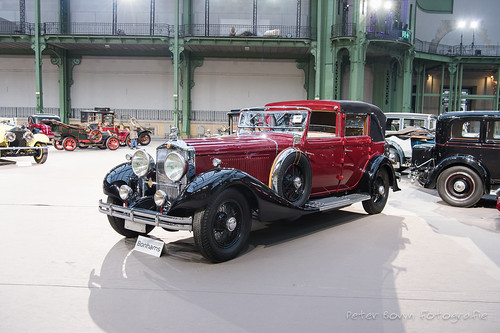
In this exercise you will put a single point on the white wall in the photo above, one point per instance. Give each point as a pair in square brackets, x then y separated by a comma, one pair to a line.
[123, 83]
[223, 84]
[18, 82]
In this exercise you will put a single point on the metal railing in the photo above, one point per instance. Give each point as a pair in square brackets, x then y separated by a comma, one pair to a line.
[242, 30]
[457, 50]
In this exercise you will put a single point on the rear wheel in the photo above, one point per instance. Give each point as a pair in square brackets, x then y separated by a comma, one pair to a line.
[379, 193]
[69, 143]
[460, 186]
[222, 228]
[119, 224]
[58, 144]
[42, 153]
[144, 139]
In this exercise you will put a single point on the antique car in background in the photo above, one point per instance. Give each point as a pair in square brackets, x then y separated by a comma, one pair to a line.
[287, 159]
[36, 124]
[17, 140]
[106, 120]
[69, 137]
[464, 163]
[403, 131]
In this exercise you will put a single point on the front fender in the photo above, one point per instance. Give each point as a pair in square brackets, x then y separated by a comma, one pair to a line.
[205, 186]
[119, 175]
[40, 137]
[376, 163]
[465, 160]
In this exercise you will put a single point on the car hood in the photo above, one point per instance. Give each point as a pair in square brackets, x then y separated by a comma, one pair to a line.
[237, 144]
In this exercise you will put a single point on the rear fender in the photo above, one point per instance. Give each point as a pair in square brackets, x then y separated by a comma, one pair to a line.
[465, 160]
[375, 164]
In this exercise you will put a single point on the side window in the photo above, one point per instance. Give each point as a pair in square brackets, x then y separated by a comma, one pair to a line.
[414, 123]
[356, 125]
[392, 124]
[493, 131]
[465, 129]
[322, 124]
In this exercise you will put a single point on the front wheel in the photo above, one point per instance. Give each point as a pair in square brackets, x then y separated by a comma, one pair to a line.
[42, 153]
[119, 224]
[379, 193]
[222, 228]
[112, 143]
[460, 186]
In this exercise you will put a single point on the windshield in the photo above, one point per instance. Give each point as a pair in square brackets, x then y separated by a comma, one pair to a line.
[279, 120]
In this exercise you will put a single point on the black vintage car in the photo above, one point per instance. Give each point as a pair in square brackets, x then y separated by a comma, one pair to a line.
[464, 163]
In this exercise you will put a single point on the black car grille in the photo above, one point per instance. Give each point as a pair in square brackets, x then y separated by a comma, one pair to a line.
[19, 141]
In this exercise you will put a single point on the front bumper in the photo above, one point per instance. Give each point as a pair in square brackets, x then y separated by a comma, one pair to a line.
[145, 216]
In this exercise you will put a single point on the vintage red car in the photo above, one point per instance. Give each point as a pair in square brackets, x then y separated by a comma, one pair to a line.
[105, 120]
[37, 124]
[287, 159]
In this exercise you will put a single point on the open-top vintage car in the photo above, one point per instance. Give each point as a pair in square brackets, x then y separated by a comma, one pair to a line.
[17, 140]
[464, 163]
[69, 137]
[106, 120]
[287, 159]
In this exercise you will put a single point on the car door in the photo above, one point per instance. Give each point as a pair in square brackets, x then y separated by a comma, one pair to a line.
[491, 149]
[325, 151]
[357, 146]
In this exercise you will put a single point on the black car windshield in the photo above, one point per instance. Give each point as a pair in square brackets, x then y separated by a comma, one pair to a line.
[280, 120]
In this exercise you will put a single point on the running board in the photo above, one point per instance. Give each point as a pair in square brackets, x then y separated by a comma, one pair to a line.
[336, 202]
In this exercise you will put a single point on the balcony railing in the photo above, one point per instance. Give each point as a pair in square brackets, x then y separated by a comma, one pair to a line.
[457, 50]
[343, 30]
[239, 30]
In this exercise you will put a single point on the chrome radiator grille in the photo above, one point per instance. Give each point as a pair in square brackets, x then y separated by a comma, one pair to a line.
[172, 189]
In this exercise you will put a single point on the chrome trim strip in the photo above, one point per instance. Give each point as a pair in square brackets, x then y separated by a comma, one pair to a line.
[145, 216]
[21, 148]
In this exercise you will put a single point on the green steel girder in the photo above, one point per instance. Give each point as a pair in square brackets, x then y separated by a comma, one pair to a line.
[262, 42]
[130, 40]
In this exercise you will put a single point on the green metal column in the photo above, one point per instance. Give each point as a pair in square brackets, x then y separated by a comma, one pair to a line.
[323, 53]
[176, 54]
[452, 68]
[38, 46]
[188, 66]
[497, 94]
[407, 80]
[66, 65]
[440, 106]
[358, 53]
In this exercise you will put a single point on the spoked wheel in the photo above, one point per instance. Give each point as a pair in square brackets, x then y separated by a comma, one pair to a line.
[295, 179]
[460, 186]
[69, 143]
[112, 143]
[119, 224]
[144, 139]
[42, 153]
[58, 144]
[222, 228]
[379, 193]
[95, 136]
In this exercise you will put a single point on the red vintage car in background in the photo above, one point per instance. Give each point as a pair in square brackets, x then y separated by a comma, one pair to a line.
[286, 160]
[36, 124]
[106, 120]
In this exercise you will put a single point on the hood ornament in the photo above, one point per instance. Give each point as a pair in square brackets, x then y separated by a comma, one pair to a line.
[173, 134]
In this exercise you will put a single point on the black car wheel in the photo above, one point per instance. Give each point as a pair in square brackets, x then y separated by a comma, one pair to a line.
[460, 186]
[119, 224]
[295, 179]
[42, 153]
[379, 193]
[222, 228]
[69, 143]
[144, 139]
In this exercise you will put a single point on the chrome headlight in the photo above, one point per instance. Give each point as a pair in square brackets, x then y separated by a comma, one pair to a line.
[28, 136]
[142, 163]
[160, 198]
[175, 166]
[10, 136]
[125, 192]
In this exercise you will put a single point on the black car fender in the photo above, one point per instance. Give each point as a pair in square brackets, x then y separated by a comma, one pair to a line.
[375, 164]
[122, 174]
[207, 185]
[464, 160]
[398, 148]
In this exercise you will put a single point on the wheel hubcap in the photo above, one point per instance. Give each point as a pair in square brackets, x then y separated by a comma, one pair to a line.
[381, 190]
[459, 186]
[231, 223]
[297, 182]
